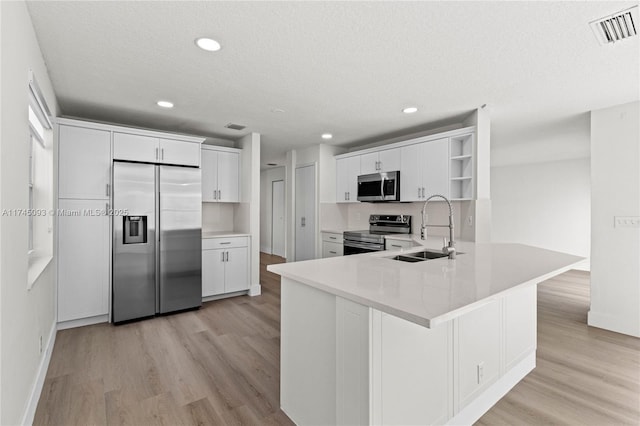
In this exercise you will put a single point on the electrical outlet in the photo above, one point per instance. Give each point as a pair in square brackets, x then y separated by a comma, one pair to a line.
[626, 222]
[470, 220]
[480, 372]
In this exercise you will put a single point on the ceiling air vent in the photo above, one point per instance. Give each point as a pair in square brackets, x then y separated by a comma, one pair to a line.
[235, 126]
[616, 27]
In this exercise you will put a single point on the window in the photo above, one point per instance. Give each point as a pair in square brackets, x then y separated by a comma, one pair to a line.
[39, 213]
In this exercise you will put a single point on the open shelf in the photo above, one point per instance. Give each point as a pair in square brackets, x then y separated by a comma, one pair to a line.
[461, 182]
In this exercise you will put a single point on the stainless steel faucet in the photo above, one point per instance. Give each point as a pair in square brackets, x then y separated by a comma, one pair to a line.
[450, 248]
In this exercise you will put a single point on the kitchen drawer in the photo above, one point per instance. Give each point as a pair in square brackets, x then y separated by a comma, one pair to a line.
[224, 242]
[332, 237]
[331, 249]
[395, 244]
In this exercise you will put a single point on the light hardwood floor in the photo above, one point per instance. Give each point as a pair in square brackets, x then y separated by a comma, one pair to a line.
[584, 375]
[220, 365]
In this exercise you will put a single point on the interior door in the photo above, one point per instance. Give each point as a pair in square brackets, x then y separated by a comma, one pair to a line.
[277, 218]
[305, 190]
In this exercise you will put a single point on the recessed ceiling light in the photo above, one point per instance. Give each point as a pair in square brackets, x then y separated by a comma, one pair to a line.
[327, 136]
[208, 44]
[165, 104]
[410, 110]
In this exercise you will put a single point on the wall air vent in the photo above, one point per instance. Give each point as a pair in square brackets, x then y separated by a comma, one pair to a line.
[235, 126]
[616, 27]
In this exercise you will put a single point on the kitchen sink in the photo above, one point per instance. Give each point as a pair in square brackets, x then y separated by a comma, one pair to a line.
[419, 256]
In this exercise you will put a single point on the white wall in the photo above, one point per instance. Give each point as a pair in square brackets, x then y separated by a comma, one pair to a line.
[615, 191]
[247, 212]
[545, 205]
[267, 177]
[25, 316]
[540, 188]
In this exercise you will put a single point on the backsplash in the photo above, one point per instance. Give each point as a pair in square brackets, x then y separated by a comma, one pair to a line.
[356, 215]
[217, 217]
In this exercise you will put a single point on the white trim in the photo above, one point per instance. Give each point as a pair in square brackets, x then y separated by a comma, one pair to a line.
[36, 390]
[615, 323]
[37, 265]
[479, 406]
[128, 130]
[435, 136]
[44, 113]
[255, 290]
[224, 296]
[221, 148]
[63, 325]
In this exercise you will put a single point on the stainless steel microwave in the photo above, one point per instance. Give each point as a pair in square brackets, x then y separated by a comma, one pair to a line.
[379, 187]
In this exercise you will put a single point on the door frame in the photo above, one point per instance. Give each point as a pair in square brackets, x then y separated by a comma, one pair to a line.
[284, 211]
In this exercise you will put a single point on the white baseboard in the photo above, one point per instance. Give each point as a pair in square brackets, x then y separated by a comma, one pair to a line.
[614, 323]
[82, 322]
[224, 296]
[36, 390]
[476, 408]
[255, 290]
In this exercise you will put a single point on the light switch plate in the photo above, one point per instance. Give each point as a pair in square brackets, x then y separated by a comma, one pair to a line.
[626, 222]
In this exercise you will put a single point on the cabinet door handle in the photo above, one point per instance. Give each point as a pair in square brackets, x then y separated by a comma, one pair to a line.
[222, 254]
[106, 207]
[225, 242]
[332, 252]
[348, 196]
[219, 195]
[333, 238]
[396, 245]
[419, 193]
[422, 192]
[215, 194]
[156, 153]
[108, 190]
[162, 154]
[227, 256]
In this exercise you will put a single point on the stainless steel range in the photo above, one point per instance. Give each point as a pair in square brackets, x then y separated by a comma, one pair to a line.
[370, 240]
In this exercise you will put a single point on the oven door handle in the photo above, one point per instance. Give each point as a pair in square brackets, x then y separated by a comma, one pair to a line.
[372, 247]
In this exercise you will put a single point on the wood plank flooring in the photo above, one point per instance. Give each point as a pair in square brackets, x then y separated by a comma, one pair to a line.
[584, 375]
[214, 366]
[220, 365]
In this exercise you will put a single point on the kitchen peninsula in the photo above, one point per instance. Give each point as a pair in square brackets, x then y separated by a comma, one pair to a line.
[367, 339]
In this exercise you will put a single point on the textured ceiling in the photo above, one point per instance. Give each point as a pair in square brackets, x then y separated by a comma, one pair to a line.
[347, 68]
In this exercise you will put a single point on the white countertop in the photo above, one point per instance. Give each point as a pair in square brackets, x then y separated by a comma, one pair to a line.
[433, 291]
[223, 234]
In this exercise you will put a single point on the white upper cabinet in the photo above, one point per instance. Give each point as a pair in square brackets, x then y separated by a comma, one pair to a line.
[135, 148]
[220, 175]
[424, 170]
[347, 171]
[84, 163]
[209, 174]
[179, 152]
[150, 149]
[228, 177]
[387, 160]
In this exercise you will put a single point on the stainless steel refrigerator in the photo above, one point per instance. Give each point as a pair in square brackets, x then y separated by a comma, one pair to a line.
[157, 241]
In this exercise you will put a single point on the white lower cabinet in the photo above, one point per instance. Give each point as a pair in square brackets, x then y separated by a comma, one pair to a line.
[225, 265]
[479, 335]
[412, 367]
[83, 260]
[348, 364]
[391, 243]
[332, 244]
